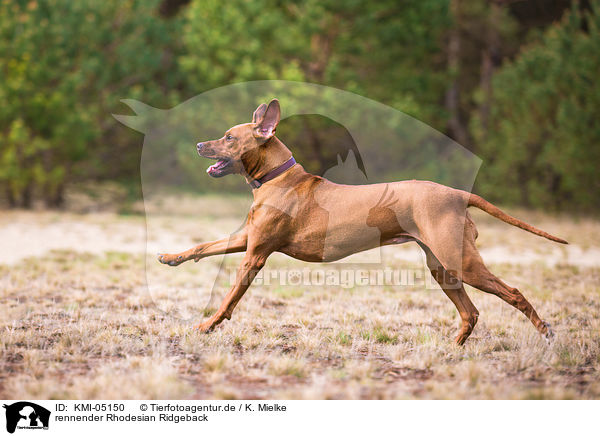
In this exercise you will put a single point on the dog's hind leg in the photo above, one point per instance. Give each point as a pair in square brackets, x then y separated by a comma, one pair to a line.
[454, 289]
[476, 274]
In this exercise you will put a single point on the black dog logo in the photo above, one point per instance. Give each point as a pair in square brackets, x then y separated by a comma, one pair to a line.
[26, 415]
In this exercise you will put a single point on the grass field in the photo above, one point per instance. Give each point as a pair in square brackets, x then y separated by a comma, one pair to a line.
[77, 320]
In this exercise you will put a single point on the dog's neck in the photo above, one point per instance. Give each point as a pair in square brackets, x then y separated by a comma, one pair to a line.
[272, 154]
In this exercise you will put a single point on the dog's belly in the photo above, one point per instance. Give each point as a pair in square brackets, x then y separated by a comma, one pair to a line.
[310, 251]
[331, 247]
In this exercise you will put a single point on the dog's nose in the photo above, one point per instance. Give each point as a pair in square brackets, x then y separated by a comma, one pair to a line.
[199, 145]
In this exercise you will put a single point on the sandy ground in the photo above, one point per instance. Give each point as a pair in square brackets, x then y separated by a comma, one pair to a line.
[80, 320]
[27, 234]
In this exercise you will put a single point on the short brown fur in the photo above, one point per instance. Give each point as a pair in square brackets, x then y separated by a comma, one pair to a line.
[312, 219]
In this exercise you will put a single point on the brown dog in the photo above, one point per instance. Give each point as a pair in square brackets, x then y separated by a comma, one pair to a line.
[315, 220]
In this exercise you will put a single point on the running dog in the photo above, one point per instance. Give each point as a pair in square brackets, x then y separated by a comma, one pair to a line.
[312, 219]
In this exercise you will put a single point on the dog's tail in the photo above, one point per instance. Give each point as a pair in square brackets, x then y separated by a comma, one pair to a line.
[486, 206]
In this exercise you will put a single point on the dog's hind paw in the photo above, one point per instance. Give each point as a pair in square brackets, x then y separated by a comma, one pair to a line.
[549, 335]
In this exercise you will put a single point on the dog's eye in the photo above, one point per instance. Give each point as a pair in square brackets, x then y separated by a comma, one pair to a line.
[229, 138]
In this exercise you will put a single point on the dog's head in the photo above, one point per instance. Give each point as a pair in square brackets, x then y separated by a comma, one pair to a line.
[241, 149]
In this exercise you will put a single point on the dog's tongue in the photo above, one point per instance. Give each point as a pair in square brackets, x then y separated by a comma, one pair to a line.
[211, 169]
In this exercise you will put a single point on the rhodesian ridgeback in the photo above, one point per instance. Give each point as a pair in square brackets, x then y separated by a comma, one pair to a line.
[312, 219]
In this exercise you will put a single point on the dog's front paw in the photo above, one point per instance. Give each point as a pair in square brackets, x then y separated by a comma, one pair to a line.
[170, 259]
[205, 327]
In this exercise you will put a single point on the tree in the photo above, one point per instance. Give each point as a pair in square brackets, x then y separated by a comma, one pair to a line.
[542, 142]
[65, 65]
[389, 51]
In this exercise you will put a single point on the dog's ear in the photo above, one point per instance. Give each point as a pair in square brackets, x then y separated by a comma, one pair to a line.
[266, 125]
[259, 113]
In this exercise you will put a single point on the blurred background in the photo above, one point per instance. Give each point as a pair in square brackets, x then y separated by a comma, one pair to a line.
[513, 81]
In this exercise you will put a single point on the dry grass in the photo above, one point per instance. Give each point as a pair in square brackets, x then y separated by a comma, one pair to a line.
[77, 325]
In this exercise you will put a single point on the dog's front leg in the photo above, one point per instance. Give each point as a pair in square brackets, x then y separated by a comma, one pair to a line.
[246, 272]
[234, 244]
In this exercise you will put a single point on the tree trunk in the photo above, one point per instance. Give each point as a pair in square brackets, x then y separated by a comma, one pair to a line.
[490, 60]
[321, 46]
[10, 196]
[54, 198]
[26, 197]
[455, 127]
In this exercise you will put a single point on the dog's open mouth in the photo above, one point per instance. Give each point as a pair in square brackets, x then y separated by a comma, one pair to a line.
[219, 169]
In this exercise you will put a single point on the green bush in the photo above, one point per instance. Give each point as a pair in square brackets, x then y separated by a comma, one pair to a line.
[64, 66]
[542, 147]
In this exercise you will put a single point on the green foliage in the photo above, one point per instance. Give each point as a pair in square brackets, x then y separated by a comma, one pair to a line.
[235, 41]
[20, 163]
[393, 52]
[64, 66]
[390, 51]
[542, 142]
